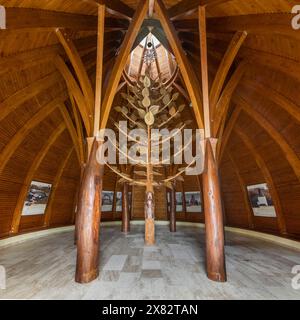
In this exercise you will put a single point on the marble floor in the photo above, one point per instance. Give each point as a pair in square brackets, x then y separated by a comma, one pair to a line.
[174, 269]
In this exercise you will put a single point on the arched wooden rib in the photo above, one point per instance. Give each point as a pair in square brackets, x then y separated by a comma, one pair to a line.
[78, 66]
[186, 69]
[127, 79]
[224, 101]
[244, 191]
[182, 91]
[79, 128]
[267, 175]
[76, 92]
[55, 184]
[224, 67]
[17, 139]
[225, 134]
[15, 100]
[287, 150]
[30, 175]
[173, 78]
[121, 60]
[276, 97]
[72, 131]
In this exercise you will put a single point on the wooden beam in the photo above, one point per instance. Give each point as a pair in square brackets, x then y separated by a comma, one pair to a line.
[120, 63]
[274, 134]
[173, 210]
[24, 18]
[99, 72]
[225, 133]
[55, 184]
[115, 7]
[125, 209]
[265, 24]
[78, 66]
[187, 71]
[30, 176]
[76, 92]
[186, 7]
[204, 72]
[267, 175]
[243, 189]
[223, 104]
[21, 134]
[227, 61]
[72, 131]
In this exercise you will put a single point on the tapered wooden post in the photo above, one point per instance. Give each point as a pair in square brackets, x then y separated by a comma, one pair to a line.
[89, 213]
[125, 210]
[215, 256]
[173, 210]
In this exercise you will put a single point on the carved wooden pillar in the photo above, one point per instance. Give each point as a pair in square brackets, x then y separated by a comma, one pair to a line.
[215, 257]
[173, 210]
[125, 210]
[89, 214]
[149, 219]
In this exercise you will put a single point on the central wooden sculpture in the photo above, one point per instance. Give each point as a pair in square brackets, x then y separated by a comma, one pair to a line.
[150, 105]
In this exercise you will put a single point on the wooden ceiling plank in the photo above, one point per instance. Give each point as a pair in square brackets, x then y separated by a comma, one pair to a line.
[55, 184]
[242, 184]
[186, 69]
[268, 177]
[272, 95]
[30, 176]
[21, 96]
[21, 134]
[227, 61]
[78, 66]
[121, 61]
[287, 150]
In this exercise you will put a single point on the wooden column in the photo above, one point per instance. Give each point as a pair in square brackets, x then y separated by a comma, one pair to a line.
[125, 210]
[215, 256]
[173, 210]
[89, 213]
[214, 226]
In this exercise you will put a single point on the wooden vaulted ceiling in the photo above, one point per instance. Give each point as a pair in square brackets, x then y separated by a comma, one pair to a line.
[42, 131]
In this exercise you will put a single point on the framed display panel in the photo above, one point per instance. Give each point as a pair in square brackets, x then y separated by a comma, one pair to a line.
[37, 198]
[261, 201]
[107, 201]
[193, 202]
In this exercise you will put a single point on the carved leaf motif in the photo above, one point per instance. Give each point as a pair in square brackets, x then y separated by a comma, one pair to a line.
[146, 102]
[149, 119]
[147, 82]
[142, 113]
[154, 109]
[146, 92]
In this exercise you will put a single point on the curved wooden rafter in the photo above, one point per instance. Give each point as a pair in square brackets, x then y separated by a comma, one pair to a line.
[21, 134]
[55, 185]
[76, 92]
[30, 176]
[188, 74]
[276, 136]
[121, 60]
[227, 61]
[268, 177]
[78, 66]
[72, 131]
[225, 99]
